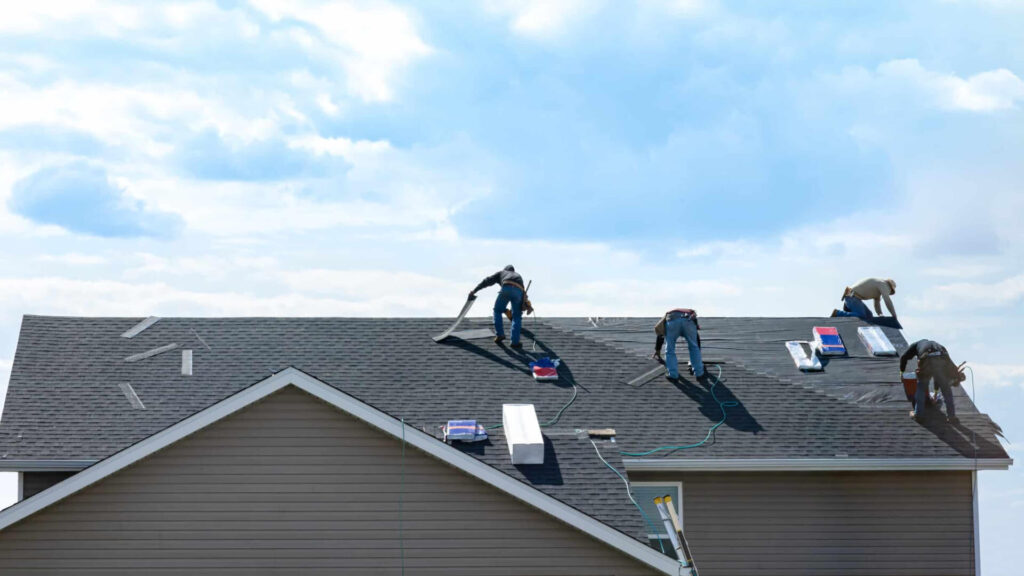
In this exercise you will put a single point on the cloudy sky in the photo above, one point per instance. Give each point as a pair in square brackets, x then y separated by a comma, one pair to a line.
[293, 157]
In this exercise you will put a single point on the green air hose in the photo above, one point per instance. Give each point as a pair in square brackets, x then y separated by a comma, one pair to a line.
[722, 405]
[558, 416]
[629, 492]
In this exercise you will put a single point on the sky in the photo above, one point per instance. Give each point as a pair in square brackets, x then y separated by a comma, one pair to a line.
[376, 158]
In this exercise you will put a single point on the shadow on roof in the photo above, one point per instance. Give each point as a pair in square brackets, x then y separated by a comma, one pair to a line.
[958, 436]
[519, 360]
[737, 417]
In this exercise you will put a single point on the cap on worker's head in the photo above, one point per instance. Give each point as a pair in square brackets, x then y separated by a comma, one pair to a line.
[510, 268]
[892, 284]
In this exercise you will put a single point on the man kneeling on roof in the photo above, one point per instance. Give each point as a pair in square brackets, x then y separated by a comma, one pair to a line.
[512, 292]
[675, 323]
[868, 289]
[933, 365]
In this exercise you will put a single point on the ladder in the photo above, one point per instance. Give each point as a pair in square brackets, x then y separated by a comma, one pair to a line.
[675, 532]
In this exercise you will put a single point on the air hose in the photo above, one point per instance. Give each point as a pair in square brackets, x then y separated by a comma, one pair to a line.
[722, 405]
[558, 415]
[629, 492]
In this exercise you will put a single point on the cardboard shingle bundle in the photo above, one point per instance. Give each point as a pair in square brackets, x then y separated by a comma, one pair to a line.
[545, 368]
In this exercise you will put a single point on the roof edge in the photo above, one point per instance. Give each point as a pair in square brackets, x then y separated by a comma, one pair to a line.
[372, 416]
[45, 465]
[813, 464]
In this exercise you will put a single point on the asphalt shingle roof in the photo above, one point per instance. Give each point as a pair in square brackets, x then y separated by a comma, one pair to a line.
[64, 401]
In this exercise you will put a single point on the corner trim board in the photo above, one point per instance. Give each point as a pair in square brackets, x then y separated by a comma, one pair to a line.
[977, 525]
[813, 464]
[386, 423]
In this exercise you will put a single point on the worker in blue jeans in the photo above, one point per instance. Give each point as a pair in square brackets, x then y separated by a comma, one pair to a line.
[934, 368]
[681, 322]
[511, 292]
[513, 295]
[853, 307]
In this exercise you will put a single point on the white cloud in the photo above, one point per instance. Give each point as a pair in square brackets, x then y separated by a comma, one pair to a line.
[74, 259]
[986, 91]
[57, 295]
[120, 19]
[975, 294]
[351, 150]
[210, 266]
[371, 41]
[147, 119]
[543, 18]
[680, 8]
[28, 17]
[997, 376]
[5, 376]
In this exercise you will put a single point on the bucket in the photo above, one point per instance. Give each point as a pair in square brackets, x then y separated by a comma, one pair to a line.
[910, 385]
[910, 389]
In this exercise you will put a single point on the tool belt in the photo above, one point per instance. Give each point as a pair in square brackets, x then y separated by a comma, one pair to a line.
[514, 284]
[939, 365]
[683, 313]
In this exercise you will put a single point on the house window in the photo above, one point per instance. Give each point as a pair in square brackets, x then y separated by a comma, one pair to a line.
[645, 493]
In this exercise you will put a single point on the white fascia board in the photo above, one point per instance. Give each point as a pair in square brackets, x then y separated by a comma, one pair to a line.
[366, 413]
[45, 465]
[813, 464]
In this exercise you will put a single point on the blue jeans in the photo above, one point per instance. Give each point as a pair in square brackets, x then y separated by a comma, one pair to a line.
[515, 296]
[941, 383]
[854, 308]
[686, 328]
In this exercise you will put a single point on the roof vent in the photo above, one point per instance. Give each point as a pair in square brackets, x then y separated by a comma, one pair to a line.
[876, 341]
[186, 362]
[522, 432]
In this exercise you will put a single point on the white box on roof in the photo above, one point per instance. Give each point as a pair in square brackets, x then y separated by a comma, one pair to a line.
[522, 432]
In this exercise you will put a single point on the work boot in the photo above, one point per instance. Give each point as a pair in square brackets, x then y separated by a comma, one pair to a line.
[953, 420]
[915, 416]
[499, 339]
[517, 345]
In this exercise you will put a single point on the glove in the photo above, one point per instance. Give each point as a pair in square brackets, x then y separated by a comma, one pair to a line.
[472, 295]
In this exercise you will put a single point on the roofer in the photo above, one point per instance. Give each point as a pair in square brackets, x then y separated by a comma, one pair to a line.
[512, 292]
[933, 366]
[868, 289]
[676, 323]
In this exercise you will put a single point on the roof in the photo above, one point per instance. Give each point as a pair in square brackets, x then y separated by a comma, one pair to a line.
[586, 521]
[66, 407]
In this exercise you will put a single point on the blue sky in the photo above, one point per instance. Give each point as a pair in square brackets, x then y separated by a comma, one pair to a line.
[377, 158]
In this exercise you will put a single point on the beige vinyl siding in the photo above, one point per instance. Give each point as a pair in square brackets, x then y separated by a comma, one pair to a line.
[33, 483]
[827, 523]
[292, 485]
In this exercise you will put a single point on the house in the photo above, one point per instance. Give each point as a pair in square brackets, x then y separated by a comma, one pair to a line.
[313, 446]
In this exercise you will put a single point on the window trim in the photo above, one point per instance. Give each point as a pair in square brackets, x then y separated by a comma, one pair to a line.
[679, 505]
